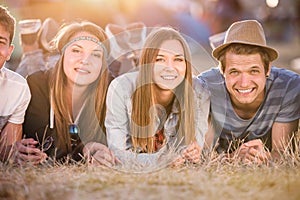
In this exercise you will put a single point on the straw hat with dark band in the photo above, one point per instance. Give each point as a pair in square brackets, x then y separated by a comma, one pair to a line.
[246, 32]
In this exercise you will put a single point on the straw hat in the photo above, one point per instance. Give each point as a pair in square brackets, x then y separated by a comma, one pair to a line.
[29, 26]
[245, 32]
[47, 32]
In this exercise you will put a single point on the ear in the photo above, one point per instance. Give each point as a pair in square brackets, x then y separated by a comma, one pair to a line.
[10, 50]
[269, 71]
[220, 68]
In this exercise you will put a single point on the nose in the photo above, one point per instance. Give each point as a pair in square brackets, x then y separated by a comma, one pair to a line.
[244, 80]
[169, 64]
[85, 58]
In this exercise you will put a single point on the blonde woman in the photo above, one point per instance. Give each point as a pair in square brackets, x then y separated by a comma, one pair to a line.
[158, 108]
[68, 102]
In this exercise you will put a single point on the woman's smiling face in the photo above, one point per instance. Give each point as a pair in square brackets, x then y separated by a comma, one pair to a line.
[170, 65]
[83, 60]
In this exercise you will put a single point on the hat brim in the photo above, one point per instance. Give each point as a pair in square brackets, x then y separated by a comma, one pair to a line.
[272, 52]
[47, 32]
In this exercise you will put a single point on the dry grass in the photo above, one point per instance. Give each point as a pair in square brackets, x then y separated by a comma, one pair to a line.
[215, 182]
[214, 178]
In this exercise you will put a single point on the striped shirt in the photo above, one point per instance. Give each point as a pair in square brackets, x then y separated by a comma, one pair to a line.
[281, 104]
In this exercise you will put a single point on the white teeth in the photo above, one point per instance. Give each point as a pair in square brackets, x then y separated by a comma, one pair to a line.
[81, 70]
[245, 91]
[169, 77]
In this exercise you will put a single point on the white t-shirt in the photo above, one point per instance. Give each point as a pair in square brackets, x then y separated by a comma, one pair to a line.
[14, 97]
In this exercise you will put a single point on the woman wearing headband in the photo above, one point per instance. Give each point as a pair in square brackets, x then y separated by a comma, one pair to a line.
[65, 118]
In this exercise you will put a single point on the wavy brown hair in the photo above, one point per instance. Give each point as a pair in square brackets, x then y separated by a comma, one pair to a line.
[96, 91]
[143, 99]
[244, 49]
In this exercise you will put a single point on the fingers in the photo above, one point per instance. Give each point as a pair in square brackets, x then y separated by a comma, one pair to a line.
[178, 161]
[26, 152]
[259, 154]
[192, 153]
[253, 153]
[28, 148]
[99, 154]
[257, 144]
[104, 158]
[30, 142]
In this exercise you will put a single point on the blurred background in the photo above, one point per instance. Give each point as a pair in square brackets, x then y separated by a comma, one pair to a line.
[198, 19]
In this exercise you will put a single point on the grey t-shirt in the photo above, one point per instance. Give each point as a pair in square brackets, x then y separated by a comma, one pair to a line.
[281, 104]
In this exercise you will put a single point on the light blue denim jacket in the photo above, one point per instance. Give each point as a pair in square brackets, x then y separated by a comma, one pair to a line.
[118, 118]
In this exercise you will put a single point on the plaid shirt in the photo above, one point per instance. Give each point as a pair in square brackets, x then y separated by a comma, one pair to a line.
[281, 104]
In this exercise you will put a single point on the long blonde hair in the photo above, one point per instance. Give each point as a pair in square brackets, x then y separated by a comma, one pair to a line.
[58, 82]
[142, 121]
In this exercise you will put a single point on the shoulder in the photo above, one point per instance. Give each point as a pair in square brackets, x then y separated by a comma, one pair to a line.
[284, 74]
[13, 77]
[284, 79]
[213, 72]
[125, 81]
[13, 83]
[39, 76]
[39, 84]
[211, 76]
[39, 79]
[200, 88]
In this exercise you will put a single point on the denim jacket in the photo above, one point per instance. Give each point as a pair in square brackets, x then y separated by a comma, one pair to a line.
[118, 118]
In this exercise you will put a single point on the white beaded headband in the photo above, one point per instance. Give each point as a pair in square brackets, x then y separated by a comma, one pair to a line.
[89, 39]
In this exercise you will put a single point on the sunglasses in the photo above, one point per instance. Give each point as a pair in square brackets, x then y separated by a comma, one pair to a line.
[46, 144]
[74, 133]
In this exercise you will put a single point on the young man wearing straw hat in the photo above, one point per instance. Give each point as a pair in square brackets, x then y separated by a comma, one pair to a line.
[255, 106]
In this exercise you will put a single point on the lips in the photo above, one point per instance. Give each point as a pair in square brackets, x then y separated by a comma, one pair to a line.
[168, 77]
[82, 70]
[245, 91]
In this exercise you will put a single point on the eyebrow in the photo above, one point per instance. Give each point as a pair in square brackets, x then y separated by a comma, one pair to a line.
[176, 55]
[255, 67]
[234, 68]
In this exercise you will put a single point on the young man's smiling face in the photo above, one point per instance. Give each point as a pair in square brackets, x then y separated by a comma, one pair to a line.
[245, 79]
[6, 48]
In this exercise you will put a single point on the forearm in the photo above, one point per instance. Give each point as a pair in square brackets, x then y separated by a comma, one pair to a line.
[282, 133]
[5, 152]
[127, 156]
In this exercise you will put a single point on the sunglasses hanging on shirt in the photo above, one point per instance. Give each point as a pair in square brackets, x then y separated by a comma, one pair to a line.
[74, 134]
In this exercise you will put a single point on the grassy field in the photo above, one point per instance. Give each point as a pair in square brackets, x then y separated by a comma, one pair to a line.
[212, 179]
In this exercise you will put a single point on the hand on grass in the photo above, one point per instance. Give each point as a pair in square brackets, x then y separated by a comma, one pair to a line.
[253, 152]
[99, 154]
[25, 151]
[191, 154]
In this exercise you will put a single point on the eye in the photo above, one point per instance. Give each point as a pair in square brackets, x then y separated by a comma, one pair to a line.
[2, 42]
[159, 59]
[97, 54]
[75, 50]
[254, 71]
[179, 59]
[234, 72]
